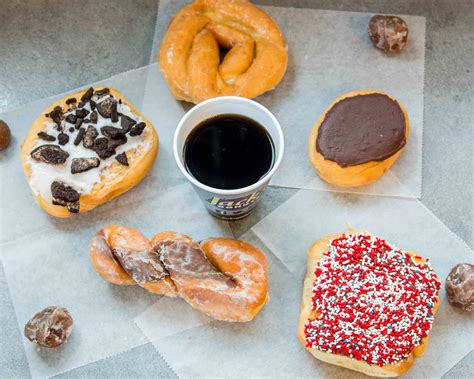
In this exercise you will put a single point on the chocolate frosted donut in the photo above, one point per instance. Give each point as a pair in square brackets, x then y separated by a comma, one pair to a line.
[358, 137]
[361, 129]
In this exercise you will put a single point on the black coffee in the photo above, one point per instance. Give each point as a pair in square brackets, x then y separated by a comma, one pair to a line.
[228, 152]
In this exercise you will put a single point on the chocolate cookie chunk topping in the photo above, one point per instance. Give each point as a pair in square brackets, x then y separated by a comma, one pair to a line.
[79, 165]
[71, 118]
[46, 137]
[50, 154]
[78, 123]
[460, 286]
[388, 33]
[106, 106]
[126, 123]
[93, 117]
[122, 158]
[49, 328]
[82, 113]
[117, 141]
[63, 192]
[71, 100]
[87, 95]
[113, 113]
[89, 137]
[80, 136]
[102, 148]
[361, 129]
[102, 92]
[5, 135]
[65, 196]
[56, 115]
[63, 139]
[112, 132]
[137, 129]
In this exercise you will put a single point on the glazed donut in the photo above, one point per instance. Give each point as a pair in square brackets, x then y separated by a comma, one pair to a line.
[123, 256]
[221, 277]
[366, 305]
[189, 55]
[358, 137]
[86, 149]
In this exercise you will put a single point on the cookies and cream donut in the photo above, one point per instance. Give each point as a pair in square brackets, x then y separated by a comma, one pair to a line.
[358, 138]
[87, 149]
[366, 305]
[190, 53]
[221, 277]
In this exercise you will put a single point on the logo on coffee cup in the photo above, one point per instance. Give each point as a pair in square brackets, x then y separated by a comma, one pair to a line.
[234, 204]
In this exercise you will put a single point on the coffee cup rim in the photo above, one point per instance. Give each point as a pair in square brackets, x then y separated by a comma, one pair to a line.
[237, 191]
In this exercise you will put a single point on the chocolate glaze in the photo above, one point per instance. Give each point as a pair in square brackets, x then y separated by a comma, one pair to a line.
[361, 129]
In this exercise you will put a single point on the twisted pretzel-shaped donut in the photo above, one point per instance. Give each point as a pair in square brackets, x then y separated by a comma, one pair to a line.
[222, 277]
[189, 55]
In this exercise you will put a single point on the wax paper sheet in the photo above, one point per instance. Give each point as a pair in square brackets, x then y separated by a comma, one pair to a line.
[267, 346]
[46, 260]
[331, 54]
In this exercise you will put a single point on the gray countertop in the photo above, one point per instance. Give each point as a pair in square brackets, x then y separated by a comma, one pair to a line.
[48, 47]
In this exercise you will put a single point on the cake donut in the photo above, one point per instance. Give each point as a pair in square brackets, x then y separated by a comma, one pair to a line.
[191, 50]
[367, 305]
[85, 150]
[358, 137]
[221, 277]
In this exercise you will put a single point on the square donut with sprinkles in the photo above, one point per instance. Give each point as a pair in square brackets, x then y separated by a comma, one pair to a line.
[367, 305]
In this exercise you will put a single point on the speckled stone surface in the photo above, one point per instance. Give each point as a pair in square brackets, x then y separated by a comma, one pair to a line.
[48, 47]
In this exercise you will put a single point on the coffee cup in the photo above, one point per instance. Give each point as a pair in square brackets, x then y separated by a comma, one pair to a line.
[228, 203]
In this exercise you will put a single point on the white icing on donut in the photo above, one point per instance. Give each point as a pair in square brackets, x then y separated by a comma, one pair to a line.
[43, 174]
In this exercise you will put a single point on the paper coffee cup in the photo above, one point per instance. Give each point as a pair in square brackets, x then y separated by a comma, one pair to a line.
[235, 203]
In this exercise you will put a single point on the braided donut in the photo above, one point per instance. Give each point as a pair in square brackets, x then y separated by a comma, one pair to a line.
[221, 277]
[189, 55]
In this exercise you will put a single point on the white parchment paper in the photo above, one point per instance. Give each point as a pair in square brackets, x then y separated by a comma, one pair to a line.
[267, 346]
[331, 54]
[46, 260]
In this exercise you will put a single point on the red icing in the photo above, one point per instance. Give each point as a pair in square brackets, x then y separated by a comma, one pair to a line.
[375, 303]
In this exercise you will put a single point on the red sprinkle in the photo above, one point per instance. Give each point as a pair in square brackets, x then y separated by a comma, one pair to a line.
[374, 301]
